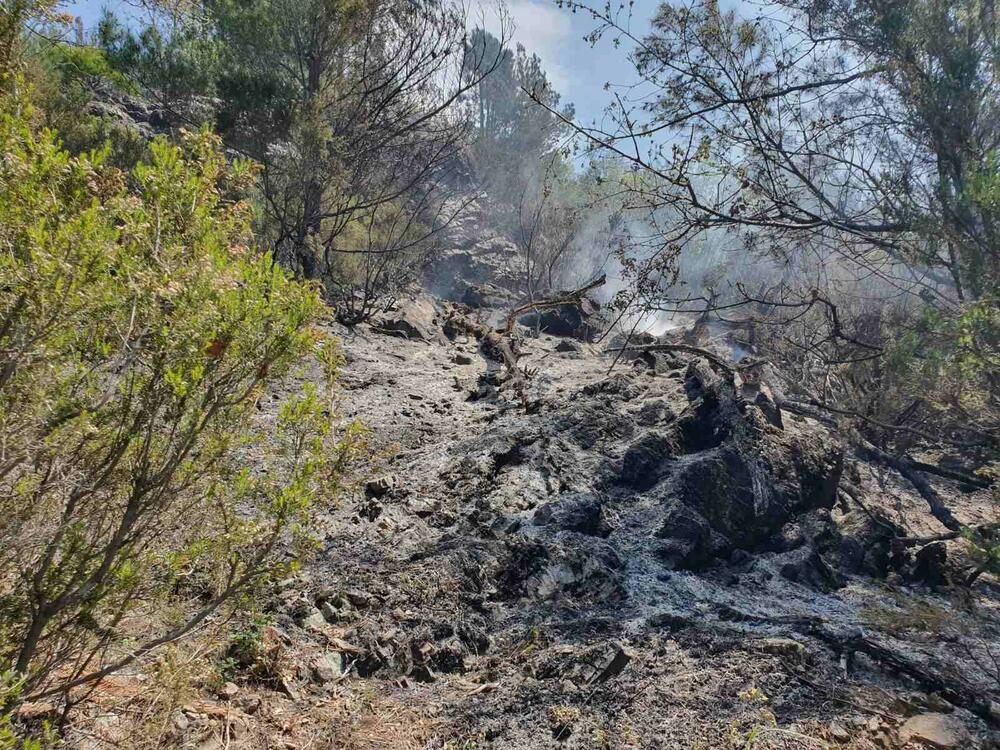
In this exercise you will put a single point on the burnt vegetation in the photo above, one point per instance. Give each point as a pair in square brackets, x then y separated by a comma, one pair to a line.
[723, 376]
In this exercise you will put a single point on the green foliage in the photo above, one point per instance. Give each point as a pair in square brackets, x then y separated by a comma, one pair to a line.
[78, 63]
[11, 736]
[14, 15]
[61, 79]
[183, 61]
[248, 655]
[952, 357]
[138, 327]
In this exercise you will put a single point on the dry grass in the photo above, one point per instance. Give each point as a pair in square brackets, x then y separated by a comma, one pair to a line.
[175, 702]
[909, 614]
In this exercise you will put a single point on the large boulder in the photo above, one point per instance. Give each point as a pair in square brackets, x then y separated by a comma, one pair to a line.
[573, 512]
[415, 318]
[647, 460]
[488, 295]
[476, 259]
[746, 474]
[687, 541]
[747, 492]
[935, 730]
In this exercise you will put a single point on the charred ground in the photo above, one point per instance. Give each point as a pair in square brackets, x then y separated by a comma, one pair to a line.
[654, 555]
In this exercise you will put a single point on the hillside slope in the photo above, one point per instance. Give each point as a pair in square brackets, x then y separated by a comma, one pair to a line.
[649, 555]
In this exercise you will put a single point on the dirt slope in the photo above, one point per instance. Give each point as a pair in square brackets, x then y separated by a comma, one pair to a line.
[654, 556]
[644, 559]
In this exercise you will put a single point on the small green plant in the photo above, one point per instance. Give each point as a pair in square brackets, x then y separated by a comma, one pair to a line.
[11, 737]
[753, 694]
[247, 655]
[562, 718]
[758, 720]
[601, 738]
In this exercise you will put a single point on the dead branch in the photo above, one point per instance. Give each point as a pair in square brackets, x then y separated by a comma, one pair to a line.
[957, 476]
[806, 411]
[495, 344]
[564, 298]
[987, 439]
[906, 468]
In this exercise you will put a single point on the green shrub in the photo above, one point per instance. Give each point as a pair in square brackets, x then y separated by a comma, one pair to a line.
[138, 326]
[11, 736]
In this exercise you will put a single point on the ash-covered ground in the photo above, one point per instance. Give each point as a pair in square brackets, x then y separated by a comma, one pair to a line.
[635, 551]
[652, 555]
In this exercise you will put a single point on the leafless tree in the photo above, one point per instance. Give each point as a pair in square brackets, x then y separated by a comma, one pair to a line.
[844, 144]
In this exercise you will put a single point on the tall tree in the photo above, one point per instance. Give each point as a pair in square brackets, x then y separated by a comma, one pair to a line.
[520, 154]
[853, 142]
[351, 108]
[514, 134]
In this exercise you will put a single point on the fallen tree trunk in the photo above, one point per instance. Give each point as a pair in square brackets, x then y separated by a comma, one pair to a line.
[912, 474]
[495, 344]
[953, 687]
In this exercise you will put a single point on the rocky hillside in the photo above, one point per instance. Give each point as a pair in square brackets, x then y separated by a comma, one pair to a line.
[636, 552]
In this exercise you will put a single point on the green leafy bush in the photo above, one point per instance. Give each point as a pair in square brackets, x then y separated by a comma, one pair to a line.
[138, 326]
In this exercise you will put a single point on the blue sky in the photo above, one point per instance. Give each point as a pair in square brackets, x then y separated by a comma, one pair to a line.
[577, 70]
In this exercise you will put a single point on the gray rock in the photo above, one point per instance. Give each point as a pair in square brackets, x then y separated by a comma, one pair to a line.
[839, 733]
[575, 512]
[330, 612]
[657, 362]
[380, 486]
[759, 395]
[488, 295]
[579, 320]
[314, 620]
[748, 490]
[414, 319]
[807, 567]
[656, 412]
[423, 507]
[687, 538]
[489, 263]
[935, 730]
[359, 599]
[646, 460]
[620, 658]
[229, 691]
[600, 663]
[930, 565]
[328, 667]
